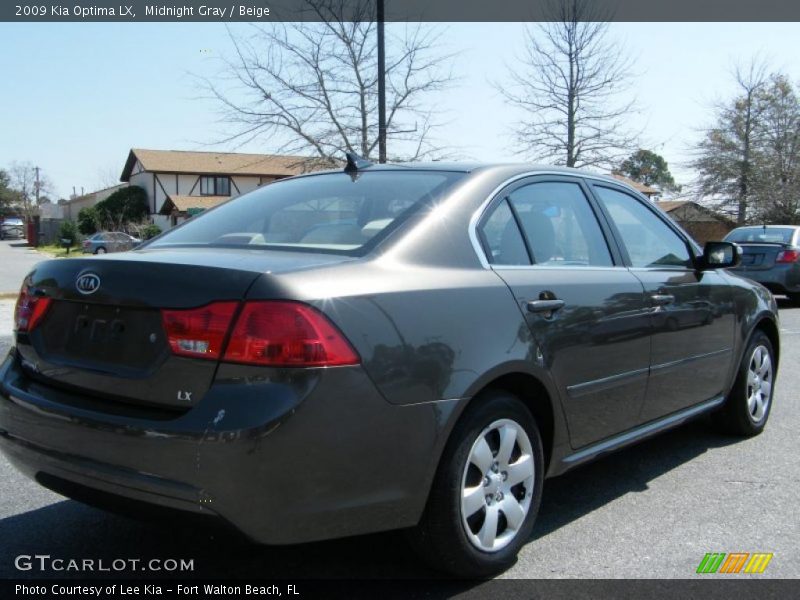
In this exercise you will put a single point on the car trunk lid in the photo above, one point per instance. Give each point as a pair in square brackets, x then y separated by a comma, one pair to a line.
[103, 331]
[760, 256]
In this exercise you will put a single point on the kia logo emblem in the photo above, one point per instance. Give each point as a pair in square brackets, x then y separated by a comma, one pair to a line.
[88, 283]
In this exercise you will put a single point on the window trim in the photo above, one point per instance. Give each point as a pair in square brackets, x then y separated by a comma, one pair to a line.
[214, 189]
[508, 187]
[692, 249]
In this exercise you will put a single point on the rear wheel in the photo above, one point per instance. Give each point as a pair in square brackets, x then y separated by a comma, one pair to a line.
[487, 490]
[100, 250]
[748, 406]
[794, 298]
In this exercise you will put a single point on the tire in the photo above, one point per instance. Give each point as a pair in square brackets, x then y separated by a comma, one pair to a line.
[794, 299]
[100, 250]
[749, 403]
[464, 546]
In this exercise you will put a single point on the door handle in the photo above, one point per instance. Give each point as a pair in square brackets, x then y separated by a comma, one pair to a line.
[662, 299]
[543, 306]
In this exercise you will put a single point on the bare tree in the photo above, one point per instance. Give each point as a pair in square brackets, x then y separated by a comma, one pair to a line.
[777, 162]
[312, 88]
[31, 187]
[725, 154]
[568, 83]
[107, 176]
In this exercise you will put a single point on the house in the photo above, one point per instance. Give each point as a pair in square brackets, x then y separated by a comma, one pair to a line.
[702, 223]
[180, 183]
[648, 191]
[73, 206]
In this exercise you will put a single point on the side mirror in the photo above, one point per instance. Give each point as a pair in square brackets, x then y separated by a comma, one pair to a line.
[721, 255]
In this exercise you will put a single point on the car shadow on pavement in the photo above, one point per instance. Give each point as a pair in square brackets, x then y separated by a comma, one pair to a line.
[579, 492]
[71, 530]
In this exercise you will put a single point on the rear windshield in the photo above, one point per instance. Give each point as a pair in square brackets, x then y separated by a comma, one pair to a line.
[332, 212]
[775, 235]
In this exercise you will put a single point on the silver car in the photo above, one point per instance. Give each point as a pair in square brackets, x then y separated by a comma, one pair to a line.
[109, 241]
[770, 256]
[12, 228]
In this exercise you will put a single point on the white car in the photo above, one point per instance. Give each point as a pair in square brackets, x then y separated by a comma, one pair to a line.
[13, 227]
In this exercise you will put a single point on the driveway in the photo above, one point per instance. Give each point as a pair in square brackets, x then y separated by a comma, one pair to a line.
[16, 260]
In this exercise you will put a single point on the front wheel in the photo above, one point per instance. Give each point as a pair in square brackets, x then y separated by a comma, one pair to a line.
[100, 250]
[748, 405]
[487, 490]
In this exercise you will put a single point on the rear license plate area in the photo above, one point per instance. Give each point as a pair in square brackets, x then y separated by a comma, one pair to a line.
[107, 335]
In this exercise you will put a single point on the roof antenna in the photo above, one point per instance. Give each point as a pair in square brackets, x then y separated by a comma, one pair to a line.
[355, 162]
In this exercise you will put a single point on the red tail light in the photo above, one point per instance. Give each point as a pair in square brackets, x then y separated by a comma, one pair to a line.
[788, 256]
[269, 333]
[287, 334]
[29, 310]
[199, 332]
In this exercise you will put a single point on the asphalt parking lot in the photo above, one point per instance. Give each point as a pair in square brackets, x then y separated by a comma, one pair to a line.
[16, 259]
[650, 511]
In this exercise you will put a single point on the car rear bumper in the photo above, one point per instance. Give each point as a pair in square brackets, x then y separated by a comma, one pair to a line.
[780, 279]
[284, 457]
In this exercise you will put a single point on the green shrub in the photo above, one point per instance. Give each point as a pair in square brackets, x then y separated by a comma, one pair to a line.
[87, 220]
[123, 207]
[150, 231]
[68, 231]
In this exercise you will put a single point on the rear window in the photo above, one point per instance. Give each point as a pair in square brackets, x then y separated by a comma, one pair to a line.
[333, 212]
[775, 235]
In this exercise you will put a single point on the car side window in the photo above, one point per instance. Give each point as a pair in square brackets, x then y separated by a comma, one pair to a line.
[502, 238]
[649, 241]
[559, 224]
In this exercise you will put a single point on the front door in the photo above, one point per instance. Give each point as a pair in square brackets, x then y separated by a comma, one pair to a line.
[587, 313]
[691, 313]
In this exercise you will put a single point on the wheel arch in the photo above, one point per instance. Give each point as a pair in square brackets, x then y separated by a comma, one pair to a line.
[770, 328]
[537, 397]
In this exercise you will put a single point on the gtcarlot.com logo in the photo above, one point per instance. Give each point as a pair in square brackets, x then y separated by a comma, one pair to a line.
[46, 562]
[735, 562]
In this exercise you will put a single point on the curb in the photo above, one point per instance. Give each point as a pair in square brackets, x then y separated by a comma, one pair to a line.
[9, 295]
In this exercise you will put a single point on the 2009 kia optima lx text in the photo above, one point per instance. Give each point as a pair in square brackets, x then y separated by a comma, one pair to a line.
[383, 347]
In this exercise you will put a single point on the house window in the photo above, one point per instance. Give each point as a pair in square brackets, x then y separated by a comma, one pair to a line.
[215, 186]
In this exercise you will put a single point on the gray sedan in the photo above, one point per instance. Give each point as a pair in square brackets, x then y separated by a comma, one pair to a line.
[770, 256]
[109, 241]
[385, 347]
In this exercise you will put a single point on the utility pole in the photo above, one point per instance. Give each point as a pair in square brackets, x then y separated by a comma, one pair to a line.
[36, 186]
[381, 86]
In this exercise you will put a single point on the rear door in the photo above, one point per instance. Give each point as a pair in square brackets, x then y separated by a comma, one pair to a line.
[587, 313]
[691, 310]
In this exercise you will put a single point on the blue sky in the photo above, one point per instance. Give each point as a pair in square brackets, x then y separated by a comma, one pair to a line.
[77, 96]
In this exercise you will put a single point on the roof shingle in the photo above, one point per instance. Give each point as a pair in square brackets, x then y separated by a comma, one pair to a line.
[218, 163]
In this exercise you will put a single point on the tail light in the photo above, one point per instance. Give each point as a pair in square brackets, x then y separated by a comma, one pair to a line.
[287, 334]
[788, 256]
[199, 332]
[29, 310]
[268, 333]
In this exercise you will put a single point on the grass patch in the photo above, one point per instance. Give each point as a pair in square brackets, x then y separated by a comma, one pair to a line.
[59, 251]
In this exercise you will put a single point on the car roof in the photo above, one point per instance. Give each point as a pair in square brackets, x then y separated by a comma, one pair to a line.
[507, 169]
[768, 227]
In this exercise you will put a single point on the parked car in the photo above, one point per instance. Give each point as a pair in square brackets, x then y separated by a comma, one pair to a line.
[451, 337]
[13, 228]
[770, 256]
[109, 241]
